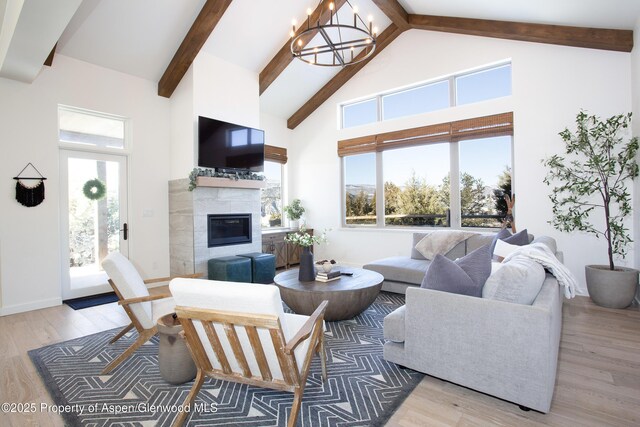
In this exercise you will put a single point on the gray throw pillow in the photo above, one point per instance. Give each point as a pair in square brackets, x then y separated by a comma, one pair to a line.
[465, 276]
[518, 281]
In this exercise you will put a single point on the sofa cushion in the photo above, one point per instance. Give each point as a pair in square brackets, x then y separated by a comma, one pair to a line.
[478, 241]
[458, 250]
[400, 269]
[394, 325]
[518, 281]
[442, 242]
[464, 276]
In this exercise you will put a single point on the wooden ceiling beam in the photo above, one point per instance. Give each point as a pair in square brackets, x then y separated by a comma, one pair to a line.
[593, 38]
[198, 34]
[395, 12]
[383, 40]
[49, 61]
[284, 56]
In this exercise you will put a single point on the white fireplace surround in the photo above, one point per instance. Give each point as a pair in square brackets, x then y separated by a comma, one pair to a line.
[188, 212]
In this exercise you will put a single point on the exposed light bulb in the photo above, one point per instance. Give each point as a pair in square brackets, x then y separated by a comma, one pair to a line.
[375, 30]
[315, 50]
[309, 11]
[370, 18]
[355, 9]
[292, 33]
[294, 22]
[368, 41]
[299, 42]
[331, 6]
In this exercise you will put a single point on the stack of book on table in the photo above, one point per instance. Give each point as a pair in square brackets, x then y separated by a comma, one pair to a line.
[328, 277]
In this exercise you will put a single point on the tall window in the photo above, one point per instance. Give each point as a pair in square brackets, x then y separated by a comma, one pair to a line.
[416, 185]
[485, 178]
[271, 195]
[456, 89]
[445, 175]
[360, 189]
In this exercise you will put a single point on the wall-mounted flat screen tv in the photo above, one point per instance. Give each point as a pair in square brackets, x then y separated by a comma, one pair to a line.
[224, 145]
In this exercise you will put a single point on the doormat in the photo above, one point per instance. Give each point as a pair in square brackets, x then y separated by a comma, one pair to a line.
[91, 301]
[363, 389]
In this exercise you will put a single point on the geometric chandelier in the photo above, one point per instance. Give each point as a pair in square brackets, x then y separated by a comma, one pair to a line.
[334, 44]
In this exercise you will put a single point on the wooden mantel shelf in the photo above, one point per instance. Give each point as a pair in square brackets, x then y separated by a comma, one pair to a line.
[207, 181]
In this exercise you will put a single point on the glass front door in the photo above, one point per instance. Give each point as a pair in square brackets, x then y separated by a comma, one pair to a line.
[94, 218]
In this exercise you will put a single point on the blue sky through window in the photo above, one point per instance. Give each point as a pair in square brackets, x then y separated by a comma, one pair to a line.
[485, 158]
[483, 85]
[417, 100]
[360, 113]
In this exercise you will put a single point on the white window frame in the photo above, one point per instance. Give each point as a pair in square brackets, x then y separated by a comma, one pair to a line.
[455, 208]
[452, 91]
[282, 198]
[92, 148]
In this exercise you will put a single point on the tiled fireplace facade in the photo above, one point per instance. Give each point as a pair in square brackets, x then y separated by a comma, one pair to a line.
[188, 213]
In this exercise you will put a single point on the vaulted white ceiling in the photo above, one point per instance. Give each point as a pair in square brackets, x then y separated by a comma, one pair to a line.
[140, 37]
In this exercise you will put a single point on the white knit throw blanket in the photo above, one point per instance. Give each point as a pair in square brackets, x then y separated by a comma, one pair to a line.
[541, 253]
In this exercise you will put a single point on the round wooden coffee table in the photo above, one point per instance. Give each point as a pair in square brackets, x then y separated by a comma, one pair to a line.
[347, 296]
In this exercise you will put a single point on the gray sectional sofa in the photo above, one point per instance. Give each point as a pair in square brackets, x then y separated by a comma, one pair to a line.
[402, 272]
[500, 348]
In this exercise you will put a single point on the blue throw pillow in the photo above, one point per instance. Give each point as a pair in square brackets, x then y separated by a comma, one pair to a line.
[521, 238]
[465, 276]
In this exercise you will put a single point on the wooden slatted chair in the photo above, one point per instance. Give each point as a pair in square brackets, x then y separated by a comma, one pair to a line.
[143, 309]
[239, 332]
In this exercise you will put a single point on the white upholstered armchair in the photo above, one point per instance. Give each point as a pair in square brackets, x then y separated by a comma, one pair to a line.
[239, 332]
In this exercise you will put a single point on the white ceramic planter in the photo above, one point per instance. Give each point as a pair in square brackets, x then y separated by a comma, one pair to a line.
[611, 288]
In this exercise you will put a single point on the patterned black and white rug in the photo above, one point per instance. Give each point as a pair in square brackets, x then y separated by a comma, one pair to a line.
[362, 390]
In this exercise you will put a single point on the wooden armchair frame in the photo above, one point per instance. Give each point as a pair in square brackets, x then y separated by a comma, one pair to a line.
[293, 380]
[144, 334]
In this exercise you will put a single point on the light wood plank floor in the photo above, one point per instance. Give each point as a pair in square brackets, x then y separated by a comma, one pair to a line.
[598, 382]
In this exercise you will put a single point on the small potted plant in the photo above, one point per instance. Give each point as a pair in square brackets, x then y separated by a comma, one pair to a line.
[294, 212]
[307, 272]
[594, 177]
[275, 220]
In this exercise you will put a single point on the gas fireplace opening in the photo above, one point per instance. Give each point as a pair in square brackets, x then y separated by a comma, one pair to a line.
[228, 229]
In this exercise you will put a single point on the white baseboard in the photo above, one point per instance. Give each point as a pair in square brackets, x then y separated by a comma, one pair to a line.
[34, 305]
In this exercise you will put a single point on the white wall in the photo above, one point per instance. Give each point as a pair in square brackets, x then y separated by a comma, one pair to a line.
[29, 237]
[211, 88]
[550, 85]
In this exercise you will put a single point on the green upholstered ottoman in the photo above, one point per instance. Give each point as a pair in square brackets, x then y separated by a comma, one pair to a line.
[263, 267]
[230, 269]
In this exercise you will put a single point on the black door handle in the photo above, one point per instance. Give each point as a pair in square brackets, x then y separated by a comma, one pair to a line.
[125, 229]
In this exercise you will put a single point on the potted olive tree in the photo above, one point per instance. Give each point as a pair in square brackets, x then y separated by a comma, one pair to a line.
[592, 195]
[294, 212]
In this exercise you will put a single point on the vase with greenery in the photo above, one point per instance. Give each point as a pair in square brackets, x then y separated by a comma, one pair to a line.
[302, 238]
[294, 212]
[594, 177]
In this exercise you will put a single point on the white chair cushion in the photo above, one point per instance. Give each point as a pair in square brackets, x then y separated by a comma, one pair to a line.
[241, 298]
[162, 307]
[130, 285]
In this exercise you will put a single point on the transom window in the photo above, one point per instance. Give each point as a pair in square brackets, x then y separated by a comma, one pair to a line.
[458, 89]
[90, 128]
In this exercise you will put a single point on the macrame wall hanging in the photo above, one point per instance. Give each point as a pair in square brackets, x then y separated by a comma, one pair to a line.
[29, 195]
